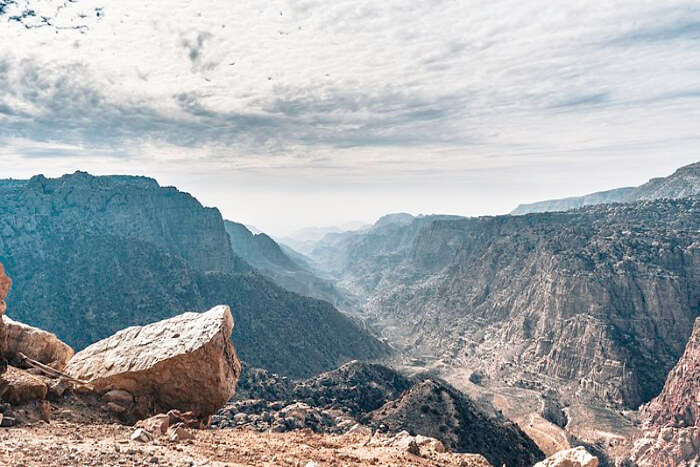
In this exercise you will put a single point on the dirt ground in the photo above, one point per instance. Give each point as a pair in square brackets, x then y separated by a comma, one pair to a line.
[63, 443]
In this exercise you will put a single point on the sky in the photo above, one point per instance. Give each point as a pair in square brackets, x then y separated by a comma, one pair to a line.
[287, 114]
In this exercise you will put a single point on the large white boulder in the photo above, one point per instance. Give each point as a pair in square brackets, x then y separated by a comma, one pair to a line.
[186, 362]
[574, 457]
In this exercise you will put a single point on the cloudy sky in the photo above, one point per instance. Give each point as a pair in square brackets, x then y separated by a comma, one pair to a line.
[286, 114]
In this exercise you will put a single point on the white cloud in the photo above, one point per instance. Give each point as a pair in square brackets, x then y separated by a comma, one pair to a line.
[354, 93]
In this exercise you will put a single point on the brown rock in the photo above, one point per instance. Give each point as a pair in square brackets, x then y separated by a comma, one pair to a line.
[179, 432]
[45, 409]
[187, 362]
[22, 387]
[671, 434]
[119, 396]
[115, 408]
[5, 284]
[157, 424]
[574, 457]
[35, 343]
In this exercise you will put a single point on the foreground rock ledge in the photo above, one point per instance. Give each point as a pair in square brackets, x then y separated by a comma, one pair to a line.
[186, 362]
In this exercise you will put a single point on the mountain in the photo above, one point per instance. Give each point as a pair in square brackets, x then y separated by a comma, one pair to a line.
[305, 239]
[594, 303]
[683, 183]
[435, 409]
[671, 434]
[92, 255]
[282, 265]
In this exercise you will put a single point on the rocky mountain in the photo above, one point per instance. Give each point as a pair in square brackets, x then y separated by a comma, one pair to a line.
[92, 255]
[671, 434]
[285, 267]
[593, 303]
[683, 183]
[305, 239]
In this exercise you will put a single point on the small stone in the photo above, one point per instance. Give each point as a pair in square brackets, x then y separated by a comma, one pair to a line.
[119, 396]
[179, 432]
[45, 409]
[141, 435]
[413, 448]
[116, 408]
[6, 421]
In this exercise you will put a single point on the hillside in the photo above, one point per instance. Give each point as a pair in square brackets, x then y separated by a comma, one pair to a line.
[91, 255]
[595, 303]
[683, 183]
[280, 264]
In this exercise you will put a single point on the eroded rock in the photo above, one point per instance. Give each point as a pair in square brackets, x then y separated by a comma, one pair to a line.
[21, 386]
[35, 343]
[574, 457]
[187, 362]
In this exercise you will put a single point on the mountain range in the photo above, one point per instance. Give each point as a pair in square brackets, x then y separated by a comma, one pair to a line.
[92, 255]
[594, 303]
[683, 183]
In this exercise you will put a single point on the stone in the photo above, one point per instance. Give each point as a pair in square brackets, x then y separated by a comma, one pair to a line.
[187, 362]
[119, 396]
[574, 457]
[157, 424]
[35, 343]
[6, 422]
[5, 284]
[141, 435]
[413, 448]
[114, 407]
[179, 432]
[22, 387]
[45, 409]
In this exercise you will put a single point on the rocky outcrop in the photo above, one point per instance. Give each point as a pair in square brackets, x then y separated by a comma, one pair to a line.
[186, 362]
[671, 430]
[18, 386]
[574, 457]
[683, 183]
[5, 284]
[35, 343]
[436, 410]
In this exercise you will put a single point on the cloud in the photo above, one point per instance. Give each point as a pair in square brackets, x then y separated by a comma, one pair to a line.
[350, 89]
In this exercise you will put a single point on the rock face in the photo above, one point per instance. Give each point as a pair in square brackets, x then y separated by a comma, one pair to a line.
[574, 457]
[36, 344]
[683, 183]
[433, 409]
[671, 434]
[186, 362]
[593, 303]
[5, 284]
[90, 256]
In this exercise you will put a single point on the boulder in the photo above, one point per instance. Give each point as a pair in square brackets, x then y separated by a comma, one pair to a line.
[35, 343]
[5, 284]
[186, 362]
[19, 386]
[574, 457]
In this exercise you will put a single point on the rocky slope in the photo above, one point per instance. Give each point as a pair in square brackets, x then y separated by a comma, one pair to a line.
[437, 410]
[683, 183]
[92, 255]
[383, 399]
[671, 435]
[595, 303]
[284, 268]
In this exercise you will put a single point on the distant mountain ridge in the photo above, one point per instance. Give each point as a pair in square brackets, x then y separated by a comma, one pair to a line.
[91, 255]
[683, 183]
